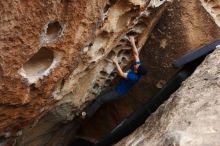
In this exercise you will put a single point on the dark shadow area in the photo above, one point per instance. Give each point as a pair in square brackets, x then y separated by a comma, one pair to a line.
[158, 60]
[81, 142]
[2, 140]
[1, 73]
[136, 119]
[187, 65]
[168, 41]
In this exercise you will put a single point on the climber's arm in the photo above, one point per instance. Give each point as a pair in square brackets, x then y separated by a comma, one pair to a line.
[134, 49]
[121, 73]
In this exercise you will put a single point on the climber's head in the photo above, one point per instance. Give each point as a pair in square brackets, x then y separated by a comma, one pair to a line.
[140, 69]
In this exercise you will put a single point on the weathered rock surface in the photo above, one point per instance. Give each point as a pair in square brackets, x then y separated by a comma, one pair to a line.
[41, 42]
[53, 55]
[184, 26]
[53, 59]
[213, 8]
[190, 117]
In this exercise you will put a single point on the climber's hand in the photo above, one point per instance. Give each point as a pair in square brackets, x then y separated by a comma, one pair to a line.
[109, 60]
[115, 60]
[131, 40]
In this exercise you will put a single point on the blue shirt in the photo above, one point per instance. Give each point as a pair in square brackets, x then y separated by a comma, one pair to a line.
[126, 84]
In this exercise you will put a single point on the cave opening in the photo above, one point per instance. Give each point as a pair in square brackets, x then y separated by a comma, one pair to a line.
[53, 30]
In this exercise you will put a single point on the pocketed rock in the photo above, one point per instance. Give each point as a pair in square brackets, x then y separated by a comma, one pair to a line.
[183, 27]
[54, 54]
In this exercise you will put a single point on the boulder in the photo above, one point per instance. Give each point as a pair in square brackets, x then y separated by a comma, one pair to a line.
[54, 56]
[191, 115]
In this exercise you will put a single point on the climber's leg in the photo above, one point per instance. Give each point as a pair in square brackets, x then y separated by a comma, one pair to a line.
[107, 96]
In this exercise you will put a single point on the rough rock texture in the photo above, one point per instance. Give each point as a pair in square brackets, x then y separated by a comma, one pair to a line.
[54, 55]
[39, 47]
[190, 117]
[53, 60]
[198, 33]
[184, 26]
[213, 7]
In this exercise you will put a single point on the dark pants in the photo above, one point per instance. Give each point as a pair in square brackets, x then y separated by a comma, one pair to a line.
[106, 96]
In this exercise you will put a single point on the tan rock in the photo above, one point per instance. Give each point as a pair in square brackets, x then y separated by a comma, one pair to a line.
[53, 56]
[185, 26]
[190, 117]
[213, 8]
[39, 46]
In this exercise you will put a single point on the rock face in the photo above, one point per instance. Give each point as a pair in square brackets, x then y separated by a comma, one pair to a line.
[184, 26]
[213, 8]
[40, 45]
[54, 58]
[190, 117]
[54, 54]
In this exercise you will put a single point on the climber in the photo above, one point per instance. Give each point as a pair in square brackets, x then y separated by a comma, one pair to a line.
[129, 79]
